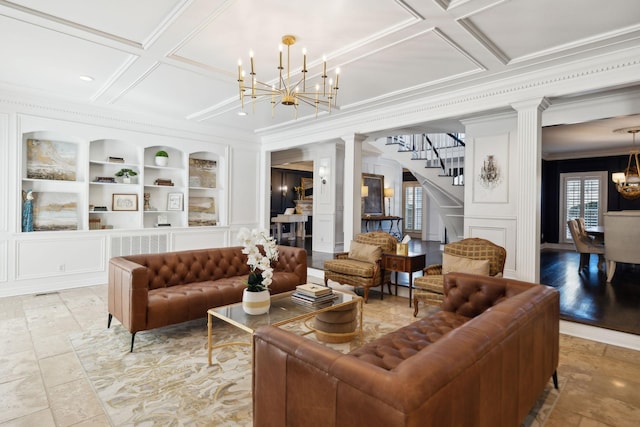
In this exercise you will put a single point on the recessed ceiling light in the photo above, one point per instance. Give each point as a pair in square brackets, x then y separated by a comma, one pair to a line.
[86, 78]
[242, 113]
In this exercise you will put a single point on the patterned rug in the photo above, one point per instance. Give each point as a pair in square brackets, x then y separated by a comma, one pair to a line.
[166, 380]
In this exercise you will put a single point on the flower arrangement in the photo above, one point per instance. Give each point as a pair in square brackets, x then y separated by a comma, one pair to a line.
[261, 270]
[299, 191]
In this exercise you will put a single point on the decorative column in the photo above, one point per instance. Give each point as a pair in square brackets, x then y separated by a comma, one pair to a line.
[529, 184]
[352, 186]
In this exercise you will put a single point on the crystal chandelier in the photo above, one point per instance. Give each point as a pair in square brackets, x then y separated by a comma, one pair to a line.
[286, 91]
[628, 182]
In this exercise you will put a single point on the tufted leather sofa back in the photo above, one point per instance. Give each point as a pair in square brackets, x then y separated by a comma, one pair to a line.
[181, 268]
[184, 267]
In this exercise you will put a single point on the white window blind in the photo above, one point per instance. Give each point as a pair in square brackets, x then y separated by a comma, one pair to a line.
[583, 196]
[412, 207]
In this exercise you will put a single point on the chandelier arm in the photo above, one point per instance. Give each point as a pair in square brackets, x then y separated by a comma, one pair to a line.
[308, 101]
[312, 101]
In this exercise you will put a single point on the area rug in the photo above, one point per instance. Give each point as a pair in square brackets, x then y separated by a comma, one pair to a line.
[166, 380]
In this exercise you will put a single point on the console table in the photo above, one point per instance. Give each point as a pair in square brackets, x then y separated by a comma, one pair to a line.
[410, 263]
[293, 220]
[377, 221]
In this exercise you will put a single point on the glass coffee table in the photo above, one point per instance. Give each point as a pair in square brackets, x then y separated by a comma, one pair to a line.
[282, 311]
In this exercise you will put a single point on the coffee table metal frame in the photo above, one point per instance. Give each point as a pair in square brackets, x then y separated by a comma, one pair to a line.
[282, 311]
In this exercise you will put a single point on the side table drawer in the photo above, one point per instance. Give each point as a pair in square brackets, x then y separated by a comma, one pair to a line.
[396, 263]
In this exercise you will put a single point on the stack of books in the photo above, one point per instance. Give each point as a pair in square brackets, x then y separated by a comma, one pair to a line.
[313, 295]
[161, 181]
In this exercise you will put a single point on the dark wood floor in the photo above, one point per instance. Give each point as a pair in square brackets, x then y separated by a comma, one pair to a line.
[585, 296]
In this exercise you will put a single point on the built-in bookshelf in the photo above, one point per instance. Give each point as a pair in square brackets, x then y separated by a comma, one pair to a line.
[114, 184]
[203, 190]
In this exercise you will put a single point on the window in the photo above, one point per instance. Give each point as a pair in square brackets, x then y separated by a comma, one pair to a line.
[583, 195]
[412, 207]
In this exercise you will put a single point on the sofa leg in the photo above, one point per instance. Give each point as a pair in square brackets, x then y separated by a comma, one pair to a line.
[133, 337]
[109, 320]
[366, 294]
[555, 379]
[415, 307]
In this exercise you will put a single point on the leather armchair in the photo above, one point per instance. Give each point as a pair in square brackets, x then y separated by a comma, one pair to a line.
[356, 272]
[429, 288]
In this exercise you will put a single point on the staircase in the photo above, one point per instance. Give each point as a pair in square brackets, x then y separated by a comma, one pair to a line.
[437, 162]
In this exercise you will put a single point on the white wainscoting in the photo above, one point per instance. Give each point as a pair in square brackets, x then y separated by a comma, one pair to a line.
[59, 256]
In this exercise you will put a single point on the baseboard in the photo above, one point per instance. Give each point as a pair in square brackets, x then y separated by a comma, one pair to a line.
[603, 335]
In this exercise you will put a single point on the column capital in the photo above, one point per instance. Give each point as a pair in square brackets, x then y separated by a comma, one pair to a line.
[355, 137]
[540, 104]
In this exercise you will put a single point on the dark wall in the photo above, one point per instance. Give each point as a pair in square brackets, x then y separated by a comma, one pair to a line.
[550, 203]
[279, 200]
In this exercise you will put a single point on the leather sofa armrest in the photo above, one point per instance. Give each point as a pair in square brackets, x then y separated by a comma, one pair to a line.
[293, 260]
[278, 387]
[128, 290]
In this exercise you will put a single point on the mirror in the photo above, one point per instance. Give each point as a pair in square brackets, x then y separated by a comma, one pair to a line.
[307, 188]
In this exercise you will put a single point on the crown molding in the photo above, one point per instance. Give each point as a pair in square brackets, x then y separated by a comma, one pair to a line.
[593, 75]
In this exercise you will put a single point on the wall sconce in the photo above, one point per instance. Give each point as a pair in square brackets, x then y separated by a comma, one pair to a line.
[388, 194]
[490, 175]
[284, 190]
[322, 171]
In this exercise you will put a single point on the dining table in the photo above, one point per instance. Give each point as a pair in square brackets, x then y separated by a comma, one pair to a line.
[597, 232]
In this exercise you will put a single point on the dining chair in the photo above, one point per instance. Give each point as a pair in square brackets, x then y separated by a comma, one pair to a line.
[585, 245]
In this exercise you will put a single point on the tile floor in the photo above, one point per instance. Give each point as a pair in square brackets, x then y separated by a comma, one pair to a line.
[42, 383]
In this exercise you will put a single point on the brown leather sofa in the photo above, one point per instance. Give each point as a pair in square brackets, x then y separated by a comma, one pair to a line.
[483, 360]
[154, 290]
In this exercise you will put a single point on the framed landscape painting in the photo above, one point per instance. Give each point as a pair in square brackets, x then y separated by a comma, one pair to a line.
[202, 173]
[202, 211]
[55, 211]
[52, 160]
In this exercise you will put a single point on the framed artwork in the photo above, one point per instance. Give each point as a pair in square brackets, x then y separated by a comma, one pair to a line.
[55, 211]
[174, 202]
[202, 173]
[373, 203]
[124, 202]
[202, 211]
[52, 160]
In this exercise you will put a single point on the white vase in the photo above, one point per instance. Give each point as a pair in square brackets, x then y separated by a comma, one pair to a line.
[161, 161]
[126, 180]
[256, 302]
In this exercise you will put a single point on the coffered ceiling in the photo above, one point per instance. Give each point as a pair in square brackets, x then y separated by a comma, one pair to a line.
[178, 58]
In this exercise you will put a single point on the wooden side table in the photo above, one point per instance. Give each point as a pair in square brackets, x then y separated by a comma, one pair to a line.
[410, 263]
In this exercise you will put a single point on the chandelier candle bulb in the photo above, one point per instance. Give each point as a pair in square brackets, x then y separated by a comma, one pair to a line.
[304, 69]
[251, 58]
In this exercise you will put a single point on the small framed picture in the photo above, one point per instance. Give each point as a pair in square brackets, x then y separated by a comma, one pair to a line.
[174, 202]
[124, 202]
